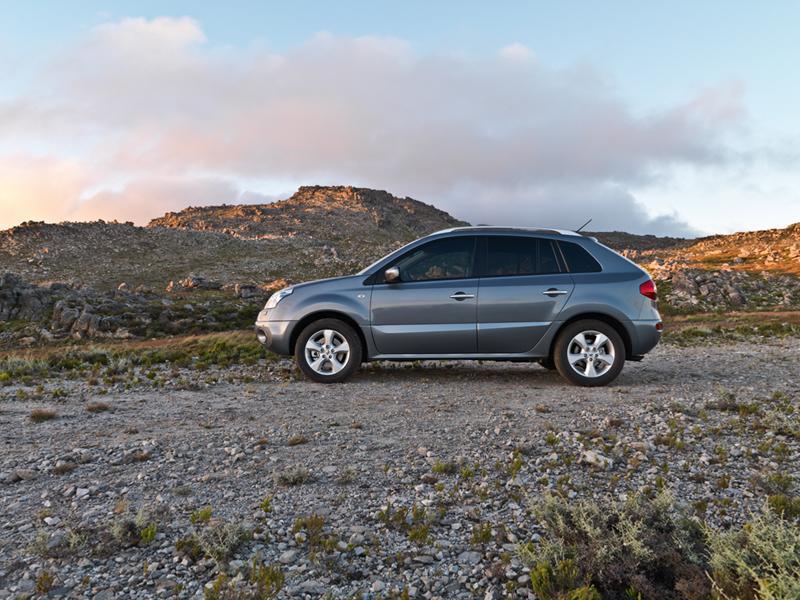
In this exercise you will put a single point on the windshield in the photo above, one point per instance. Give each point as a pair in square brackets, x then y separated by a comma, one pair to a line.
[366, 270]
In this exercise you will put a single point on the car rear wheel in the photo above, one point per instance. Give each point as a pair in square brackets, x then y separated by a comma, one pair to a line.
[589, 353]
[328, 351]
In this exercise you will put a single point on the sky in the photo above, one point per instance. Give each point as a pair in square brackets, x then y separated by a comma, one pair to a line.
[666, 118]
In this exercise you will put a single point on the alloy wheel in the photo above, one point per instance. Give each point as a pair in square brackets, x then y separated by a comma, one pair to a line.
[327, 352]
[591, 354]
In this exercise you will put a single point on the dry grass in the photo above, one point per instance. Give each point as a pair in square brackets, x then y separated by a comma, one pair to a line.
[40, 415]
[97, 407]
[64, 468]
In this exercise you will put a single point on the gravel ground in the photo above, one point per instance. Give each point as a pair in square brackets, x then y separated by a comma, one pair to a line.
[93, 503]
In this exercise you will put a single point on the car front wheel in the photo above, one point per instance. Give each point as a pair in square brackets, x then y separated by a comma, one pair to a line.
[328, 351]
[589, 353]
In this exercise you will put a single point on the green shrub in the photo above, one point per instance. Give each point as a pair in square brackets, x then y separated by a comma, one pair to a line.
[201, 515]
[561, 582]
[760, 561]
[785, 506]
[444, 468]
[148, 533]
[263, 583]
[639, 544]
[481, 534]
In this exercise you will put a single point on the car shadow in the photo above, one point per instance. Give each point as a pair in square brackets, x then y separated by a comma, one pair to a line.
[457, 372]
[482, 372]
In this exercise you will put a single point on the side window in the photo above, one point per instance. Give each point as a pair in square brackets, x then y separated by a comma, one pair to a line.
[547, 258]
[449, 258]
[510, 256]
[578, 259]
[519, 256]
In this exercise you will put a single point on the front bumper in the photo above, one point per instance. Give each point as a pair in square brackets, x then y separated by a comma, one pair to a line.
[275, 335]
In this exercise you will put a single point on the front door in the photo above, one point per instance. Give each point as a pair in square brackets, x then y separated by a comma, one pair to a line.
[432, 308]
[522, 290]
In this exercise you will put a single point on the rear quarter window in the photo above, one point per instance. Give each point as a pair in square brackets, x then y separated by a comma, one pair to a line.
[578, 258]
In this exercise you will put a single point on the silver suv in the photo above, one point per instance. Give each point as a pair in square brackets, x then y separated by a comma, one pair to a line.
[488, 293]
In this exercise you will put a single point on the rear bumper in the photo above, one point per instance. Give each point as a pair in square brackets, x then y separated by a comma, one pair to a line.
[275, 335]
[644, 336]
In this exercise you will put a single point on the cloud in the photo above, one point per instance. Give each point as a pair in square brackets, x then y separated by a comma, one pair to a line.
[39, 189]
[141, 200]
[154, 101]
[517, 51]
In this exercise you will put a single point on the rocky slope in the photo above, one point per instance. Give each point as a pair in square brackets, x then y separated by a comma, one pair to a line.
[776, 250]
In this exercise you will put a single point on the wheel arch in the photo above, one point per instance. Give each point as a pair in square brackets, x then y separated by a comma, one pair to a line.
[605, 318]
[327, 314]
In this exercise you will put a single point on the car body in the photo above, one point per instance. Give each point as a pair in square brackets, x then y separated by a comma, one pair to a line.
[490, 293]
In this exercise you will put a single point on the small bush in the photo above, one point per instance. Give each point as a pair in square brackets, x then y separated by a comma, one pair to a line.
[189, 547]
[313, 527]
[44, 582]
[266, 505]
[419, 533]
[220, 541]
[201, 515]
[267, 579]
[444, 468]
[263, 583]
[295, 475]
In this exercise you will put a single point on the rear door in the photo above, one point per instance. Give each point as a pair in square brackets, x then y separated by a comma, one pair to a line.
[432, 309]
[522, 289]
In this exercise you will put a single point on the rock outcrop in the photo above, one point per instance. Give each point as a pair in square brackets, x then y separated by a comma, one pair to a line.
[41, 313]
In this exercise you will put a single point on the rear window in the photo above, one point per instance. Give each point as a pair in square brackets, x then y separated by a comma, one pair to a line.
[578, 259]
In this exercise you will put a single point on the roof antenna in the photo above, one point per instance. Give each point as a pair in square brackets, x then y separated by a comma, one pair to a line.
[582, 226]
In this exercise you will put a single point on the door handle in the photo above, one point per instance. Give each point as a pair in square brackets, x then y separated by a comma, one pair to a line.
[554, 292]
[461, 296]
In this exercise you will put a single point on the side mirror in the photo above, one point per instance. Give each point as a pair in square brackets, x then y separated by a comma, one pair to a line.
[392, 275]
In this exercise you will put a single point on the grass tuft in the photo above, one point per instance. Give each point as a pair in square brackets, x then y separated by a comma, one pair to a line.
[40, 415]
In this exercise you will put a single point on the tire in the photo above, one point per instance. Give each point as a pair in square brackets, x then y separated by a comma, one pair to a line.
[324, 365]
[588, 357]
[548, 363]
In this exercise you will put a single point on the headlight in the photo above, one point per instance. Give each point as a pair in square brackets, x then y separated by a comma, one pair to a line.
[277, 297]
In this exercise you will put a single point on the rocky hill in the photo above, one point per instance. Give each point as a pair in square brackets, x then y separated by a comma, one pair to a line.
[746, 270]
[211, 267]
[330, 214]
[318, 232]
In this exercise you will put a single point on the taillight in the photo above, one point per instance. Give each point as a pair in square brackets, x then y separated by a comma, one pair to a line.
[648, 288]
